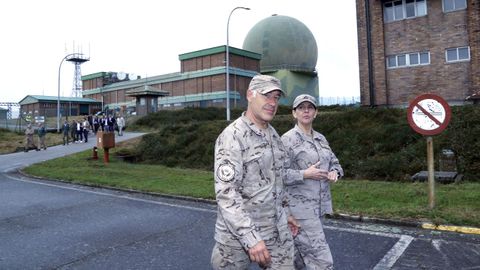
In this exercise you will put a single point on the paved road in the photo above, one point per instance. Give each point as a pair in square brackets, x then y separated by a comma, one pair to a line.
[51, 225]
[21, 159]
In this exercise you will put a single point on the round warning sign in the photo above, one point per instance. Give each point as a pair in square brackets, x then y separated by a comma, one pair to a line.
[428, 114]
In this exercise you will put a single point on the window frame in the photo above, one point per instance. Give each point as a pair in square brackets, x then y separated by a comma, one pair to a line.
[457, 54]
[407, 60]
[454, 6]
[393, 10]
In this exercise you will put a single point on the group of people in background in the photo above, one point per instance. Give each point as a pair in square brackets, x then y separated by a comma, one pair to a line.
[30, 140]
[76, 131]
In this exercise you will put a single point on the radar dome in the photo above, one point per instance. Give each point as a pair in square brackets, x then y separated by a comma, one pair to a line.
[284, 43]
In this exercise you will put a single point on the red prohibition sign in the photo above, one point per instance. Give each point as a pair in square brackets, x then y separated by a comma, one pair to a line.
[428, 114]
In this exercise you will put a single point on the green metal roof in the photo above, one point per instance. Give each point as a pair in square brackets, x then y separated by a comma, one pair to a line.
[37, 98]
[94, 76]
[219, 49]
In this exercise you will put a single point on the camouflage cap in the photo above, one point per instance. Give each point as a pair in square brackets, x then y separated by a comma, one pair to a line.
[265, 84]
[302, 98]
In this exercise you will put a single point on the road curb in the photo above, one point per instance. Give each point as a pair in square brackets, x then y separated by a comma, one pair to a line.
[451, 228]
[423, 225]
[339, 216]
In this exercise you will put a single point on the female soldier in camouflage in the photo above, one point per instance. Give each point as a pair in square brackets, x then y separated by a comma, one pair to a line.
[313, 166]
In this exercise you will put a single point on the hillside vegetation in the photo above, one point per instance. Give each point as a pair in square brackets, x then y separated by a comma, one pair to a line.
[376, 144]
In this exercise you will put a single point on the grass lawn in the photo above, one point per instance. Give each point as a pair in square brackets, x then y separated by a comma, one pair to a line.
[456, 204]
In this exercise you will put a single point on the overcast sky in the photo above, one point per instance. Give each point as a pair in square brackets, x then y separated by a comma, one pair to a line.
[145, 37]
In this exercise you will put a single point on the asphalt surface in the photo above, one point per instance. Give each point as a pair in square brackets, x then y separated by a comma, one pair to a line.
[54, 225]
[14, 161]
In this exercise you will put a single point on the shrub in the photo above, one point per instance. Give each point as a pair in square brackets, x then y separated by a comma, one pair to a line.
[370, 143]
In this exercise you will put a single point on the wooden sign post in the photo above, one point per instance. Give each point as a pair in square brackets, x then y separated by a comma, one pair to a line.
[429, 115]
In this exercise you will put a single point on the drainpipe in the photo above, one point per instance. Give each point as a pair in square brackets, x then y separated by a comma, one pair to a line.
[371, 86]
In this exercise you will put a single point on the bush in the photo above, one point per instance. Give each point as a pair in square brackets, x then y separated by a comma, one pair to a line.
[370, 143]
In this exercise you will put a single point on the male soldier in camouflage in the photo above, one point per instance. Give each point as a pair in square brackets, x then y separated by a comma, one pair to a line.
[29, 144]
[253, 218]
[312, 166]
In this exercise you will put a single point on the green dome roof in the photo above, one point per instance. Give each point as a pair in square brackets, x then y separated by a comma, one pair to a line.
[284, 43]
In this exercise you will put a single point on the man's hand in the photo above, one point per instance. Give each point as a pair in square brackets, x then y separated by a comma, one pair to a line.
[293, 225]
[259, 254]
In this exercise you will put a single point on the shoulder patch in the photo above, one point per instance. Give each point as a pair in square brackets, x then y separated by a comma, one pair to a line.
[226, 172]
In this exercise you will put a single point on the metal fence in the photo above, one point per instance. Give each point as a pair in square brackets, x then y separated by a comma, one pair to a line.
[326, 101]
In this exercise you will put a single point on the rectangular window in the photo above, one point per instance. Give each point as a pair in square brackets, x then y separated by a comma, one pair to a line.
[421, 6]
[457, 54]
[453, 5]
[402, 9]
[414, 59]
[391, 61]
[424, 58]
[410, 8]
[407, 60]
[402, 60]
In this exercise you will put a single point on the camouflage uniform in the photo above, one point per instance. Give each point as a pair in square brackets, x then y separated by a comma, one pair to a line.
[29, 144]
[310, 199]
[249, 170]
[41, 136]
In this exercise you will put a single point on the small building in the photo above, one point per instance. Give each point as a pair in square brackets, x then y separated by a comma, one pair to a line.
[35, 105]
[146, 98]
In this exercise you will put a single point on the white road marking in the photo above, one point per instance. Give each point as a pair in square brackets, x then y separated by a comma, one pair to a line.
[385, 263]
[394, 253]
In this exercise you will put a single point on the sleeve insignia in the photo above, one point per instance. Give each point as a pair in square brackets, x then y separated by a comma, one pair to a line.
[226, 172]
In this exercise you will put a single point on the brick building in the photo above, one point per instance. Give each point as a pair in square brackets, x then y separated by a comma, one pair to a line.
[200, 82]
[411, 47]
[36, 105]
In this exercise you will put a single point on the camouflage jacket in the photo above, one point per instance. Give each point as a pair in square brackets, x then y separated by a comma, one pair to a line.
[308, 198]
[249, 169]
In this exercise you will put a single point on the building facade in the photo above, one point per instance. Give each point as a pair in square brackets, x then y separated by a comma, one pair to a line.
[46, 106]
[201, 82]
[412, 47]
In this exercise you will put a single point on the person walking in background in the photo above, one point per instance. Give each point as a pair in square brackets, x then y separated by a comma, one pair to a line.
[79, 129]
[29, 143]
[41, 136]
[103, 123]
[313, 165]
[96, 124]
[111, 123]
[253, 219]
[73, 131]
[85, 129]
[120, 125]
[66, 132]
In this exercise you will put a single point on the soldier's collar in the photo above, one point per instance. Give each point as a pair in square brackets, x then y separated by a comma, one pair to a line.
[315, 135]
[253, 127]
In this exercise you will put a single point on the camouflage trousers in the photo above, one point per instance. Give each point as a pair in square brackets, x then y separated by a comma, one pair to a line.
[236, 258]
[42, 142]
[29, 144]
[311, 248]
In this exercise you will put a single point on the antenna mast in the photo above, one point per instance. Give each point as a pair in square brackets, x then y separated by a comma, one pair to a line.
[77, 58]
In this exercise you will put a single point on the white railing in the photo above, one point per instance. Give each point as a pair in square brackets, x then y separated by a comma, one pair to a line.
[325, 101]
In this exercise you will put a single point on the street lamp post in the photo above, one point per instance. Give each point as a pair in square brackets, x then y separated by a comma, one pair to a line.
[58, 98]
[227, 64]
